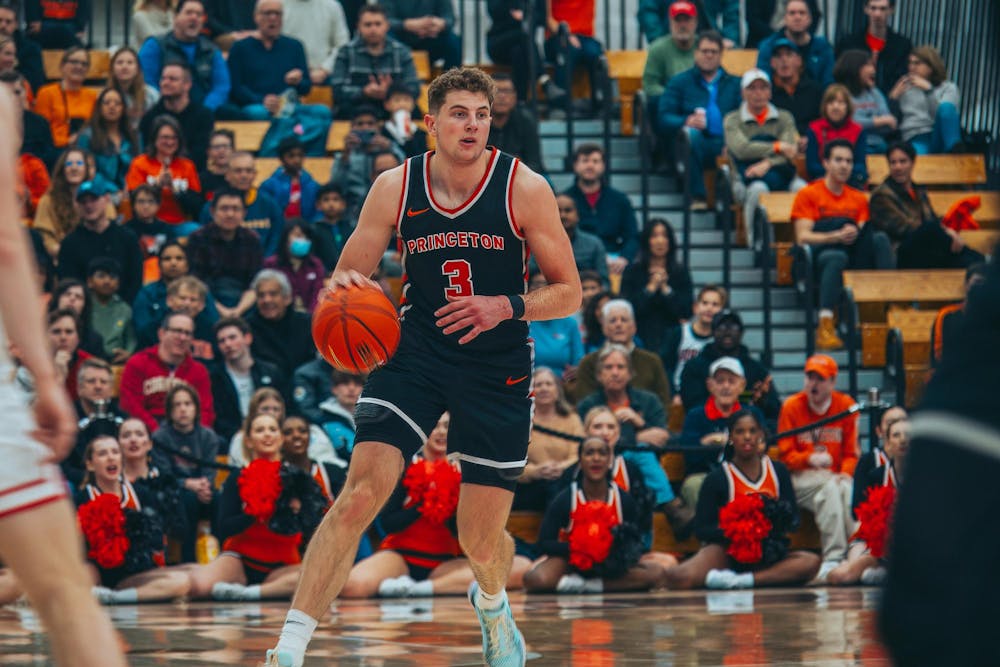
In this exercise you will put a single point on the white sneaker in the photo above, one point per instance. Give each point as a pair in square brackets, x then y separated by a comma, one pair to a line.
[571, 583]
[398, 587]
[825, 569]
[874, 576]
[223, 591]
[727, 580]
[276, 658]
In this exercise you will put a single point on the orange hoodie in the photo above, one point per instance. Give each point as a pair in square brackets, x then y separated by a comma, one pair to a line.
[840, 437]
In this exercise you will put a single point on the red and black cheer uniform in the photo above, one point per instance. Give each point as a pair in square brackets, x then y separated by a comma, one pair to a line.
[557, 523]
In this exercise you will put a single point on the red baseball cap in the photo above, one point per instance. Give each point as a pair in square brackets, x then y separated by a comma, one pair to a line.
[823, 365]
[682, 7]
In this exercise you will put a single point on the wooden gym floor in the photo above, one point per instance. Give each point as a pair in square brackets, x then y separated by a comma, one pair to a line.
[805, 626]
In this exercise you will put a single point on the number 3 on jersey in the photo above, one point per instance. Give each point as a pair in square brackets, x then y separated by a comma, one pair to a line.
[459, 273]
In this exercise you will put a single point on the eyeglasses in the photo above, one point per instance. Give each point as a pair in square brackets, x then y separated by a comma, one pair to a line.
[79, 63]
[75, 163]
[185, 333]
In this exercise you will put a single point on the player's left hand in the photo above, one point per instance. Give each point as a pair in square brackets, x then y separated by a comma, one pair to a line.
[481, 313]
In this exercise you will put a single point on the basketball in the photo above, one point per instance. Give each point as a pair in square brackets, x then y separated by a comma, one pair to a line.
[355, 329]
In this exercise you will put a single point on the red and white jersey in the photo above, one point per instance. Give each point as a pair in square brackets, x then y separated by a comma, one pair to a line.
[739, 485]
[889, 476]
[619, 474]
[130, 499]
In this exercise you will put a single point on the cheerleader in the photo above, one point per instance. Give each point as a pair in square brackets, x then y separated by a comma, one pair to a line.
[611, 561]
[149, 480]
[260, 512]
[727, 561]
[864, 560]
[876, 456]
[123, 533]
[419, 555]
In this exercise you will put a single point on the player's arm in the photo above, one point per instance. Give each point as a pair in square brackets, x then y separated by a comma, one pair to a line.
[366, 245]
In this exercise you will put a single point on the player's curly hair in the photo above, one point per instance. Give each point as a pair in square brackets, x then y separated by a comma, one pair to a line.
[469, 79]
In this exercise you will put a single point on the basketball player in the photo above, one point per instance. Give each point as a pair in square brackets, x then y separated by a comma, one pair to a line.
[38, 535]
[465, 216]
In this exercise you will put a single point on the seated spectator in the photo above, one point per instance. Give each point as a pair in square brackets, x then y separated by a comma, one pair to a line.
[836, 122]
[352, 169]
[71, 294]
[762, 142]
[291, 187]
[67, 103]
[590, 321]
[747, 470]
[672, 51]
[830, 216]
[370, 63]
[221, 145]
[855, 70]
[8, 63]
[332, 228]
[657, 284]
[643, 429]
[950, 318]
[338, 411]
[262, 214]
[900, 208]
[798, 30]
[36, 137]
[97, 236]
[97, 412]
[163, 165]
[323, 29]
[683, 342]
[570, 42]
[150, 373]
[653, 17]
[63, 328]
[188, 295]
[268, 401]
[557, 342]
[238, 375]
[57, 25]
[151, 231]
[303, 269]
[928, 103]
[603, 210]
[619, 327]
[552, 449]
[226, 255]
[508, 44]
[56, 214]
[110, 316]
[268, 70]
[708, 424]
[888, 48]
[408, 137]
[696, 101]
[186, 44]
[793, 89]
[110, 139]
[513, 129]
[281, 334]
[150, 18]
[822, 459]
[727, 341]
[765, 17]
[588, 249]
[29, 54]
[194, 119]
[426, 25]
[125, 76]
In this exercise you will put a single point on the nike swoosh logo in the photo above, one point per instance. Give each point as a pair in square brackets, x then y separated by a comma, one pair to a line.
[410, 213]
[512, 381]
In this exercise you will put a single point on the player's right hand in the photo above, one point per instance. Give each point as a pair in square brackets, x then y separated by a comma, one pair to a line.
[349, 278]
[55, 420]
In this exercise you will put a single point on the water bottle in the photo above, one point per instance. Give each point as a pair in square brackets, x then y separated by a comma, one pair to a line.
[206, 547]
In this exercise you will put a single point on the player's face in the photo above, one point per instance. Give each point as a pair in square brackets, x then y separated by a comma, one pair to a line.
[606, 427]
[708, 305]
[94, 385]
[462, 125]
[614, 375]
[265, 438]
[105, 460]
[63, 336]
[437, 441]
[271, 302]
[295, 437]
[595, 459]
[133, 437]
[618, 326]
[233, 343]
[747, 438]
[73, 298]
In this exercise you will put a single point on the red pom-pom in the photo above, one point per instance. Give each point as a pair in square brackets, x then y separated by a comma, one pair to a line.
[260, 487]
[745, 526]
[591, 538]
[433, 486]
[102, 522]
[875, 515]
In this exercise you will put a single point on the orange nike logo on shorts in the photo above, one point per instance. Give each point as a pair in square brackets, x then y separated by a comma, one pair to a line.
[512, 381]
[410, 213]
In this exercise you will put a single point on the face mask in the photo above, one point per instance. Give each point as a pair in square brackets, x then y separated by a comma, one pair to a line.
[300, 247]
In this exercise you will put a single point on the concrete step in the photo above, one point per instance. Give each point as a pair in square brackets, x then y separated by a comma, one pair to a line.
[786, 317]
[702, 258]
[742, 298]
[744, 277]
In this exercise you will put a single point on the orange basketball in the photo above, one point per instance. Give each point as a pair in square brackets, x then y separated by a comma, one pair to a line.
[355, 329]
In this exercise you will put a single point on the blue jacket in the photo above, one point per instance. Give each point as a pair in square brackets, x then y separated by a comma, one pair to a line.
[817, 57]
[687, 91]
[210, 76]
[612, 220]
[256, 71]
[557, 343]
[113, 165]
[279, 187]
[697, 424]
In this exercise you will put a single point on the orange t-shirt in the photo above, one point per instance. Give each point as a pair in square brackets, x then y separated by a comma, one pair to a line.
[840, 437]
[60, 107]
[578, 14]
[145, 169]
[816, 202]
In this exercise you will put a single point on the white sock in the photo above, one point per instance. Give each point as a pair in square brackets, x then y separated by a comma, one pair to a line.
[487, 601]
[296, 633]
[744, 580]
[593, 585]
[422, 589]
[825, 312]
[125, 596]
[251, 593]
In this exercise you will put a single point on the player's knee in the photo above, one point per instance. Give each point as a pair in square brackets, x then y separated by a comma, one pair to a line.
[480, 546]
[358, 504]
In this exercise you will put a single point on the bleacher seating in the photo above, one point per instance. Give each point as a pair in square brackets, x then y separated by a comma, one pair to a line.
[100, 64]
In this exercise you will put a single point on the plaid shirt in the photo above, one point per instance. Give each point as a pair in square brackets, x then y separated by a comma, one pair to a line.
[212, 257]
[355, 64]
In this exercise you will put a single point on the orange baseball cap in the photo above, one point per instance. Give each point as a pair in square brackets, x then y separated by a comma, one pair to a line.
[822, 364]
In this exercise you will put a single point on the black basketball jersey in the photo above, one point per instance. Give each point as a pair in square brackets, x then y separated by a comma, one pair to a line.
[475, 249]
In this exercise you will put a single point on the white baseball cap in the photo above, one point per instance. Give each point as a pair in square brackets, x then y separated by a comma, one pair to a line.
[731, 364]
[754, 74]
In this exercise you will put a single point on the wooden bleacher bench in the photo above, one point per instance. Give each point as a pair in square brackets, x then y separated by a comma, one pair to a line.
[422, 62]
[913, 328]
[317, 167]
[935, 170]
[983, 241]
[339, 130]
[738, 61]
[320, 95]
[248, 133]
[100, 64]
